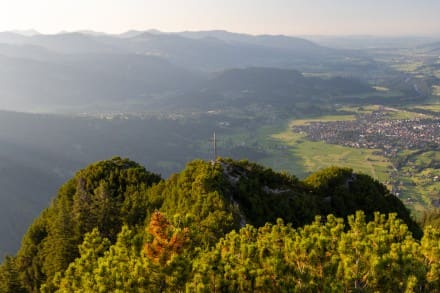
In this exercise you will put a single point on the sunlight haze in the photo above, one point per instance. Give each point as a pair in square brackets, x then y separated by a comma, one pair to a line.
[298, 17]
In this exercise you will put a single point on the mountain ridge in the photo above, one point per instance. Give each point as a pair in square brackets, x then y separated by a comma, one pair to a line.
[210, 198]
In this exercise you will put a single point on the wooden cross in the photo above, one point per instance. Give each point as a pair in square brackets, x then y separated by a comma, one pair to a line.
[214, 145]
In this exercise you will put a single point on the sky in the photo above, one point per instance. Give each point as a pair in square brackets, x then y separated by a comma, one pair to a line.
[289, 17]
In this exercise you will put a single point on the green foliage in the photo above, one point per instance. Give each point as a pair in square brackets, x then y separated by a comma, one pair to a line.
[104, 190]
[264, 195]
[117, 269]
[327, 255]
[379, 256]
[29, 260]
[125, 268]
[431, 218]
[328, 178]
[9, 277]
[101, 196]
[430, 246]
[343, 192]
[197, 198]
[81, 271]
[94, 237]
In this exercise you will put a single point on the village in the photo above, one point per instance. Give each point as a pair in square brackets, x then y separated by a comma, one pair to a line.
[376, 131]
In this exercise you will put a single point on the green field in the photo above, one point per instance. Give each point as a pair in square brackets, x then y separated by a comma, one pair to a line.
[327, 118]
[431, 107]
[436, 90]
[312, 156]
[408, 67]
[419, 179]
[400, 114]
[435, 108]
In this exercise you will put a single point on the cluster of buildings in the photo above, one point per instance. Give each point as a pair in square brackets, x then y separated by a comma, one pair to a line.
[376, 131]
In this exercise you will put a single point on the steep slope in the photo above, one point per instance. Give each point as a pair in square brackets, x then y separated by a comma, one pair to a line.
[105, 195]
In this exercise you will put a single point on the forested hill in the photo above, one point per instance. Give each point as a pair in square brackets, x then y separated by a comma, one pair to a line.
[116, 226]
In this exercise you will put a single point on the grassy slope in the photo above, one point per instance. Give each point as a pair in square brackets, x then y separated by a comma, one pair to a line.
[418, 182]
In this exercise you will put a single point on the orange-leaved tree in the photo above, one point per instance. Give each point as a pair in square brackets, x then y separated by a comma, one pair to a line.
[167, 239]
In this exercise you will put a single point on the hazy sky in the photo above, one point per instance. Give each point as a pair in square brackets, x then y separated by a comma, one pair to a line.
[293, 17]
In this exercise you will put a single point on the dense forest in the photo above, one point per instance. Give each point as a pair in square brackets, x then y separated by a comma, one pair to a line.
[226, 226]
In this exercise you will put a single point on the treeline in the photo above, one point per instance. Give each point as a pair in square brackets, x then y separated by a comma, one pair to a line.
[117, 227]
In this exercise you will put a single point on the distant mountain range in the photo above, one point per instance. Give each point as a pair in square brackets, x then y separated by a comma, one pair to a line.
[90, 41]
[85, 70]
